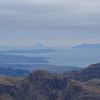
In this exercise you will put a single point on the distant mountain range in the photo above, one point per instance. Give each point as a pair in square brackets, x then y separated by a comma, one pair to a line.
[30, 67]
[13, 72]
[88, 46]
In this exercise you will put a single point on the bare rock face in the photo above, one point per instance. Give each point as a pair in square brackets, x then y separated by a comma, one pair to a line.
[42, 85]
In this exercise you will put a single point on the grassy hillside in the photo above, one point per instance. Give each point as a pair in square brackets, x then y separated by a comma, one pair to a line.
[43, 85]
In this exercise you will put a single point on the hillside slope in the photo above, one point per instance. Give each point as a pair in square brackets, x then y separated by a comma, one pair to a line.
[91, 72]
[42, 85]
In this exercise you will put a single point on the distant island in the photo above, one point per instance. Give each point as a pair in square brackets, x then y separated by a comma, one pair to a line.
[32, 51]
[39, 46]
[88, 46]
[6, 58]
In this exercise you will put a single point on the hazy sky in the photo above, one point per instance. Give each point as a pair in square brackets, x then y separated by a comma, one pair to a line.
[51, 22]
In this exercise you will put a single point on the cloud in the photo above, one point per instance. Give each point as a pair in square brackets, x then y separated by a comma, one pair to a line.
[49, 11]
[49, 17]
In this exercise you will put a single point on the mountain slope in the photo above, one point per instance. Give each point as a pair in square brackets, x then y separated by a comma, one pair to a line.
[91, 72]
[42, 85]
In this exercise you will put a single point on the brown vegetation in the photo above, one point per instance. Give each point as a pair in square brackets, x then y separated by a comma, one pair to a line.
[42, 85]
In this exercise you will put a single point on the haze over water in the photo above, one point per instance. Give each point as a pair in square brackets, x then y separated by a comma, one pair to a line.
[81, 57]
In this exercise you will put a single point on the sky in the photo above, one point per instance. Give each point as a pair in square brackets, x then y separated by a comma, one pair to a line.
[57, 23]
